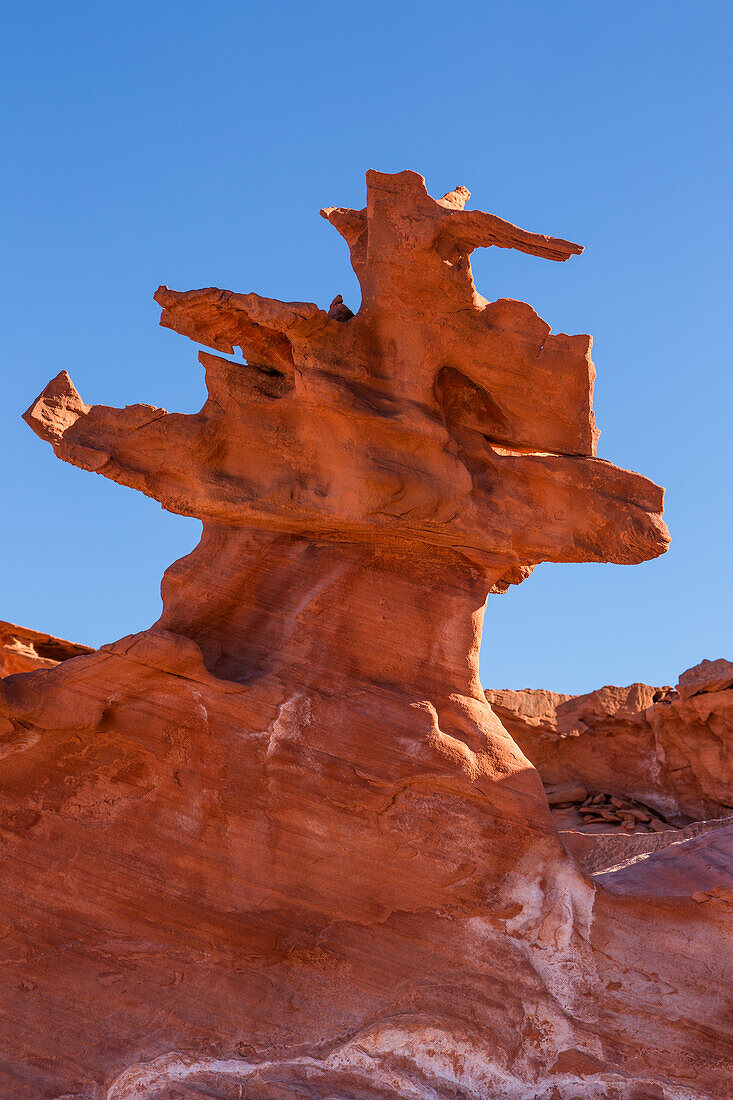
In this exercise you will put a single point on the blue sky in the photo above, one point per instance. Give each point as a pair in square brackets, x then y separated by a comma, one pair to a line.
[194, 144]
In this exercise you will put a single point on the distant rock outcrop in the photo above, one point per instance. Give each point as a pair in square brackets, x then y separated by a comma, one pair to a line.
[629, 771]
[279, 844]
[671, 750]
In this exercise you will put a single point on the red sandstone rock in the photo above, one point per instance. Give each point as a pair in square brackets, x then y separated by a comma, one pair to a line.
[670, 752]
[705, 677]
[279, 844]
[22, 650]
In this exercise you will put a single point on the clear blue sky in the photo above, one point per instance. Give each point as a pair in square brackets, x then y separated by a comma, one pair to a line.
[193, 144]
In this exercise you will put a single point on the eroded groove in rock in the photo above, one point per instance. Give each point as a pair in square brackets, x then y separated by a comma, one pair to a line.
[283, 828]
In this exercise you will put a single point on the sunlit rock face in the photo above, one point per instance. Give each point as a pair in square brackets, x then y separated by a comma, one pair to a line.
[279, 844]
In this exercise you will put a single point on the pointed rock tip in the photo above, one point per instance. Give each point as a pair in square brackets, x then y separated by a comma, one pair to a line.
[55, 409]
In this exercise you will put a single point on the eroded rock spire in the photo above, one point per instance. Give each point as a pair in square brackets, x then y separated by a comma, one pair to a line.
[282, 833]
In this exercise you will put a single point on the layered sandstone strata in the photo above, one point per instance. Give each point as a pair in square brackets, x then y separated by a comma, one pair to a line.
[279, 844]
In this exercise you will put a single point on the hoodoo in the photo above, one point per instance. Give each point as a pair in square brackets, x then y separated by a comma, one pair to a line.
[279, 844]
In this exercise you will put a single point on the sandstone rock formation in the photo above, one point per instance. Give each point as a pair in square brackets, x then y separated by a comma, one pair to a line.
[22, 650]
[279, 844]
[653, 762]
[669, 749]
